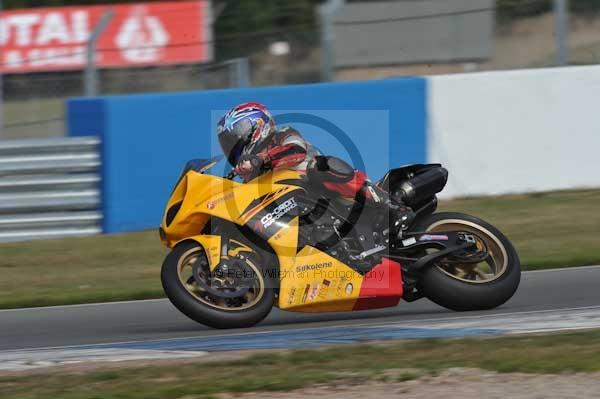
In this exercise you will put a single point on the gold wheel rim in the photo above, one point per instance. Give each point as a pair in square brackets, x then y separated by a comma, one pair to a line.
[184, 271]
[484, 272]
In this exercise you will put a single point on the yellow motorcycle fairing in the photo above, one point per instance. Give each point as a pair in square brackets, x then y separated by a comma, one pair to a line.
[317, 282]
[212, 247]
[310, 280]
[198, 197]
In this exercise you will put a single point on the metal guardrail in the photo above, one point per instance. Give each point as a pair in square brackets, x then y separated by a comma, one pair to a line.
[49, 188]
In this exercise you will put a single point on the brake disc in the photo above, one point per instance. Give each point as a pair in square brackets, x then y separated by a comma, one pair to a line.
[232, 278]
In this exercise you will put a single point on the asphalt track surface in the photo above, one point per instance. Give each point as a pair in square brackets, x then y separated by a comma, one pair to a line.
[558, 289]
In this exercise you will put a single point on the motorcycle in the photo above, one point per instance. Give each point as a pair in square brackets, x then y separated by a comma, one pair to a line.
[238, 249]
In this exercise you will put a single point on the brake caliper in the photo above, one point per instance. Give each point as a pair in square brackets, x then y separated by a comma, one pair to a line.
[471, 254]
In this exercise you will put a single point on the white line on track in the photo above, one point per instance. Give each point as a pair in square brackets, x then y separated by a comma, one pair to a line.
[496, 315]
[548, 320]
[83, 305]
[562, 269]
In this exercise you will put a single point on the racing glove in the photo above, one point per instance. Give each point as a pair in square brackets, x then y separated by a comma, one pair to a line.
[249, 165]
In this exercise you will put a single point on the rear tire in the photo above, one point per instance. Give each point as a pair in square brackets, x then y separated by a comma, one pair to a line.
[202, 312]
[459, 294]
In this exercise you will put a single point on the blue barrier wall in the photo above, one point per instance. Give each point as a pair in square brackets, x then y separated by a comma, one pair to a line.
[146, 139]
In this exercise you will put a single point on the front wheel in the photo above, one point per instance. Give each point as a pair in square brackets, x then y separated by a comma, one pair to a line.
[471, 286]
[212, 299]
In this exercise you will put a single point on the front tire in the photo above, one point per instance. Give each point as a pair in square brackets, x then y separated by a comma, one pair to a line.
[463, 289]
[202, 311]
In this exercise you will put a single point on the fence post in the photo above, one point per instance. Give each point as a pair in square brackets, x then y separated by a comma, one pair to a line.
[561, 24]
[326, 13]
[91, 72]
[241, 71]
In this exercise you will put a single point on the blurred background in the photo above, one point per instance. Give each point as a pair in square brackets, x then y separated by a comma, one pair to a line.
[103, 101]
[274, 42]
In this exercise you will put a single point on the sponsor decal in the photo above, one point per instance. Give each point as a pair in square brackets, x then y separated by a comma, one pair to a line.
[322, 295]
[278, 212]
[433, 237]
[341, 285]
[349, 288]
[305, 294]
[313, 292]
[291, 296]
[259, 203]
[54, 38]
[315, 266]
[142, 36]
[213, 204]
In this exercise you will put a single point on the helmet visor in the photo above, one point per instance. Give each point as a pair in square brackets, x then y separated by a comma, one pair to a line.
[232, 146]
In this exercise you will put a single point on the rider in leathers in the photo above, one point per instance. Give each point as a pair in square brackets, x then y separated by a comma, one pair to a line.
[252, 143]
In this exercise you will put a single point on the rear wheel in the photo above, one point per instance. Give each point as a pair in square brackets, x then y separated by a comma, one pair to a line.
[239, 296]
[471, 286]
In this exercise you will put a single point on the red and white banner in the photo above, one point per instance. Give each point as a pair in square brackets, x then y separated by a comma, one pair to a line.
[54, 39]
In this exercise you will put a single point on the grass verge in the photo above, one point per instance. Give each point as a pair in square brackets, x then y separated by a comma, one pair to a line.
[390, 362]
[549, 230]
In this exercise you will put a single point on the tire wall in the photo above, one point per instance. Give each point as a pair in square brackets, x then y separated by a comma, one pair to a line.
[146, 139]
